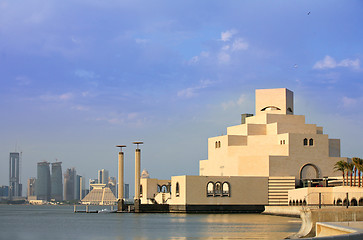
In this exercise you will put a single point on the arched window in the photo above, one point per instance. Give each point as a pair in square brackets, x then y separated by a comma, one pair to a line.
[283, 142]
[290, 203]
[216, 144]
[293, 203]
[354, 202]
[177, 189]
[159, 188]
[219, 144]
[339, 202]
[311, 142]
[305, 141]
[361, 202]
[210, 189]
[300, 203]
[164, 189]
[217, 189]
[140, 190]
[304, 202]
[226, 189]
[345, 202]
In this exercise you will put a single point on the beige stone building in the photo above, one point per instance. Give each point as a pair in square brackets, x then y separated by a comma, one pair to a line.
[255, 164]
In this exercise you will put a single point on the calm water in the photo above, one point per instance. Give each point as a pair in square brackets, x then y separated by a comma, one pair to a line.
[59, 222]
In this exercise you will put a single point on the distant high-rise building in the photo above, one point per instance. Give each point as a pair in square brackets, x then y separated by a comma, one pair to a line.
[126, 191]
[56, 182]
[82, 190]
[103, 176]
[112, 184]
[4, 191]
[15, 188]
[31, 187]
[78, 187]
[43, 186]
[70, 184]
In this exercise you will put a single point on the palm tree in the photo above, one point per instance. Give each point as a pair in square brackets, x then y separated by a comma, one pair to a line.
[360, 168]
[357, 165]
[340, 166]
[350, 167]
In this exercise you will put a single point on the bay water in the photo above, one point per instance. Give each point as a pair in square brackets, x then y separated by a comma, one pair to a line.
[60, 222]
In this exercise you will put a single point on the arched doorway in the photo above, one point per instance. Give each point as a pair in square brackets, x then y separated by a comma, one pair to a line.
[309, 171]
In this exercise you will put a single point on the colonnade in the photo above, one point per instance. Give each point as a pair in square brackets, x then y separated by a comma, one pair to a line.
[120, 196]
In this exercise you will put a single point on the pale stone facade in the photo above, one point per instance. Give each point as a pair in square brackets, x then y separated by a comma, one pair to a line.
[255, 164]
[329, 196]
[271, 144]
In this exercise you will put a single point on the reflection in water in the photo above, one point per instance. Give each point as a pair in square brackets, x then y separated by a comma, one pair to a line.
[59, 222]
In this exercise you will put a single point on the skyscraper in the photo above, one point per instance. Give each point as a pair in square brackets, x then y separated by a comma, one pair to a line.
[70, 184]
[56, 182]
[82, 190]
[31, 187]
[126, 191]
[112, 185]
[43, 186]
[78, 188]
[103, 176]
[15, 188]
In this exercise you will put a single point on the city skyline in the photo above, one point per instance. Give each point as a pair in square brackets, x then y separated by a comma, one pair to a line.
[80, 78]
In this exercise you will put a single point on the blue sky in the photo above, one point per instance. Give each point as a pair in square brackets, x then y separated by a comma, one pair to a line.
[79, 77]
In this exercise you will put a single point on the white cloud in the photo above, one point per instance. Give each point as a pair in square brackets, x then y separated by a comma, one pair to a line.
[227, 35]
[198, 58]
[192, 91]
[85, 74]
[141, 40]
[239, 44]
[349, 102]
[230, 104]
[61, 97]
[329, 62]
[226, 47]
[80, 108]
[224, 57]
[23, 80]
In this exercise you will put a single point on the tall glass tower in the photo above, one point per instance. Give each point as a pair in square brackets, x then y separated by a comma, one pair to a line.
[70, 178]
[15, 188]
[42, 186]
[56, 182]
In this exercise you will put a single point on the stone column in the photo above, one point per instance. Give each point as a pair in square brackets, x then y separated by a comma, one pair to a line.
[120, 175]
[137, 201]
[137, 174]
[120, 196]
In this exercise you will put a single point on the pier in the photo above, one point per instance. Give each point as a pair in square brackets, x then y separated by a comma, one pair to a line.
[87, 210]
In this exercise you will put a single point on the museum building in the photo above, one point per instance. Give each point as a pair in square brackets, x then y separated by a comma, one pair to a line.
[259, 162]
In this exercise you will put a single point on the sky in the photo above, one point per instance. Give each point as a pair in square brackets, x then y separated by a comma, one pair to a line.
[79, 77]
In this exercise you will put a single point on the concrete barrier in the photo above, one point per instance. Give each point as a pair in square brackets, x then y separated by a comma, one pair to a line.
[310, 217]
[288, 211]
